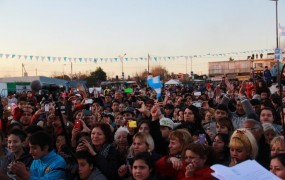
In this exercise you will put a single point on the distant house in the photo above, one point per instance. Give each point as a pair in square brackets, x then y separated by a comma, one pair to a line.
[239, 69]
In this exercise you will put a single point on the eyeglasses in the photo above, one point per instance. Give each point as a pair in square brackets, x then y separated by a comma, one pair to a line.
[190, 158]
[250, 129]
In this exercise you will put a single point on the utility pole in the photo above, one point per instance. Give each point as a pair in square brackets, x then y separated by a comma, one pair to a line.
[148, 57]
[71, 70]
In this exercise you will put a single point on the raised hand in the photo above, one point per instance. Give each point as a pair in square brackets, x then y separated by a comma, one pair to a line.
[176, 163]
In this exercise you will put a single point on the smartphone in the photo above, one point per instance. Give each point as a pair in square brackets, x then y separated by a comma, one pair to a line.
[88, 101]
[197, 93]
[136, 105]
[78, 124]
[46, 107]
[202, 138]
[87, 112]
[132, 124]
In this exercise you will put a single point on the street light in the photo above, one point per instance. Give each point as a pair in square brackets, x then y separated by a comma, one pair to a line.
[122, 60]
[276, 19]
[277, 41]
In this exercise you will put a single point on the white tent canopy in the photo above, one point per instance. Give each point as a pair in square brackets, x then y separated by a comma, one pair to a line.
[173, 82]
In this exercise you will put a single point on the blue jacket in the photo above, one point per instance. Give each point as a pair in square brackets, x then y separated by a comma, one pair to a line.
[50, 167]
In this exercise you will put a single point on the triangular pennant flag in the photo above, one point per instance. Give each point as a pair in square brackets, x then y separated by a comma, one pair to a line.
[64, 58]
[70, 59]
[31, 57]
[80, 59]
[116, 59]
[85, 59]
[48, 58]
[74, 59]
[164, 58]
[1, 55]
[111, 60]
[58, 58]
[37, 57]
[141, 58]
[7, 55]
[13, 56]
[19, 56]
[90, 59]
[126, 59]
[42, 58]
[25, 56]
[159, 58]
[101, 59]
[95, 60]
[54, 58]
[186, 57]
[155, 58]
[106, 59]
[136, 59]
[131, 59]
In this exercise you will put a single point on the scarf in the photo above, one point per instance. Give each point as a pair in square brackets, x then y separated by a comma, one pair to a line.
[104, 151]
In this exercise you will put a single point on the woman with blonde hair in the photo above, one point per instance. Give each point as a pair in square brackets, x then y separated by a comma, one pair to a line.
[243, 146]
[170, 164]
[142, 142]
[277, 146]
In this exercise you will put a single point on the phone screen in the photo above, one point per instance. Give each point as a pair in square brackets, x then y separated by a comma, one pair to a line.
[46, 107]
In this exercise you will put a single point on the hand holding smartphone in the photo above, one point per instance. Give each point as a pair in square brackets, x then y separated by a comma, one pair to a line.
[78, 124]
[202, 138]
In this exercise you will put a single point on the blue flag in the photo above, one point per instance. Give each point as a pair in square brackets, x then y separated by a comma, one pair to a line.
[154, 83]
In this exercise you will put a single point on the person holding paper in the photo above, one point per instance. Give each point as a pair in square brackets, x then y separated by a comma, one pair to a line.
[243, 146]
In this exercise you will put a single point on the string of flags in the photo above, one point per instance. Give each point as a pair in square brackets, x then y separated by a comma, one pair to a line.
[119, 59]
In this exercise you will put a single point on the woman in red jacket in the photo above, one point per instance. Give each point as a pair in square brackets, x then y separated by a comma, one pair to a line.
[171, 165]
[195, 164]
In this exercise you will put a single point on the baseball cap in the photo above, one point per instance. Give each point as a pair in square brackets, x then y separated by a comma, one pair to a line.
[166, 122]
[129, 110]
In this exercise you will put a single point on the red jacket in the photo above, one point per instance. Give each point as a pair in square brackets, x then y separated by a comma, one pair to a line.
[165, 168]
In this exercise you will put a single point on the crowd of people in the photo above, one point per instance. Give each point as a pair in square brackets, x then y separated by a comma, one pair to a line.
[115, 135]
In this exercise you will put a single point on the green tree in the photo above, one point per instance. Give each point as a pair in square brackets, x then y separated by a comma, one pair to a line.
[96, 77]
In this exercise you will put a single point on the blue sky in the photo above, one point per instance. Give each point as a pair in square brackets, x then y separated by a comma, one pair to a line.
[109, 28]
